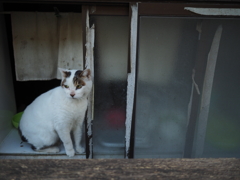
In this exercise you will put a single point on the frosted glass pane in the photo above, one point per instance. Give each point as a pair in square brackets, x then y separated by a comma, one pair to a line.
[111, 59]
[223, 134]
[167, 51]
[168, 48]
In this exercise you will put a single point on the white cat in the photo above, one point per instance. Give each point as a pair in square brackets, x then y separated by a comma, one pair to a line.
[57, 113]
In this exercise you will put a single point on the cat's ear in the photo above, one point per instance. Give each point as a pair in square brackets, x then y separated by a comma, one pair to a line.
[86, 73]
[64, 72]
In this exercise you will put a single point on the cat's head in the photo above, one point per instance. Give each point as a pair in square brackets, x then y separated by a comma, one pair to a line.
[76, 83]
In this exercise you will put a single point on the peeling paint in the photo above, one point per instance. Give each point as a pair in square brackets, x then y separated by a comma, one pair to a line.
[215, 11]
[131, 75]
[89, 61]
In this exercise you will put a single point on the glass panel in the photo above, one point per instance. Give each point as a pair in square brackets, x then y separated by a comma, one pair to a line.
[111, 59]
[167, 49]
[223, 135]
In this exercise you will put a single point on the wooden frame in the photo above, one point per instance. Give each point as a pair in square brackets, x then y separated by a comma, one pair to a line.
[155, 8]
[177, 9]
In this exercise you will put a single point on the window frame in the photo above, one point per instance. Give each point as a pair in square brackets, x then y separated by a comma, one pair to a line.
[173, 9]
[159, 9]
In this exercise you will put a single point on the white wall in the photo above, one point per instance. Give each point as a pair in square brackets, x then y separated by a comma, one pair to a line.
[7, 98]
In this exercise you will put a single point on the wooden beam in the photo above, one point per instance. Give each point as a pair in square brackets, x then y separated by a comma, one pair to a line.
[109, 10]
[131, 78]
[116, 1]
[200, 68]
[177, 9]
[120, 169]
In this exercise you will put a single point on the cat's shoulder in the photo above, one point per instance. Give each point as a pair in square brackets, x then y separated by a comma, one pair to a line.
[52, 91]
[57, 91]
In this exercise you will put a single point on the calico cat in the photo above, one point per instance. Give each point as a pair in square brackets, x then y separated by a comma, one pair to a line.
[58, 112]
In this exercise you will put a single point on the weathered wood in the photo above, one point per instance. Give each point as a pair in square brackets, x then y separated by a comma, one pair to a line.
[177, 9]
[110, 1]
[121, 169]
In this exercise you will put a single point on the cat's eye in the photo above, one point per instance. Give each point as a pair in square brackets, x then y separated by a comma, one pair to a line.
[66, 86]
[79, 86]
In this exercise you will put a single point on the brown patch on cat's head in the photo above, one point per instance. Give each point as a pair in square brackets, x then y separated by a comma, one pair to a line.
[77, 79]
[66, 74]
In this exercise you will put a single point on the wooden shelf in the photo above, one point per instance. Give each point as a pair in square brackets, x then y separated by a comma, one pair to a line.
[13, 147]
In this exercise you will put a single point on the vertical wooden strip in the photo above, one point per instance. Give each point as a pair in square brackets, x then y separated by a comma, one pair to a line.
[131, 74]
[205, 41]
[84, 14]
[200, 66]
[89, 63]
[206, 94]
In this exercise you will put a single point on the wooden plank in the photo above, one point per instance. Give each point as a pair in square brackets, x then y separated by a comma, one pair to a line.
[111, 1]
[206, 92]
[121, 169]
[177, 9]
[84, 19]
[200, 67]
[89, 33]
[131, 76]
[109, 10]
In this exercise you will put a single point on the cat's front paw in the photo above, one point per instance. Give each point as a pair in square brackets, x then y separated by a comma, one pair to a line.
[70, 153]
[80, 150]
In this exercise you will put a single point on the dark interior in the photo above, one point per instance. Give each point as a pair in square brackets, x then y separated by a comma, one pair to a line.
[27, 91]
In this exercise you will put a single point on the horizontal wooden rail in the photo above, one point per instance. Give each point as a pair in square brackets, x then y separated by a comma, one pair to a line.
[121, 169]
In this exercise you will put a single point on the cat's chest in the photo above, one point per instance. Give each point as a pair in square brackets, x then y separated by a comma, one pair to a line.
[71, 109]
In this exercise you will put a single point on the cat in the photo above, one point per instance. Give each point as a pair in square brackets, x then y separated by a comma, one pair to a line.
[55, 114]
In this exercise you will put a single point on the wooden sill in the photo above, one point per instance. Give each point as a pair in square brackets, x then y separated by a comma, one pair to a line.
[223, 168]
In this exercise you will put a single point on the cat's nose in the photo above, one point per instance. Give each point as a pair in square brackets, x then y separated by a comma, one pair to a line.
[72, 95]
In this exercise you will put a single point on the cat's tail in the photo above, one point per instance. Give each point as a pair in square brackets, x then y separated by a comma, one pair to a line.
[22, 137]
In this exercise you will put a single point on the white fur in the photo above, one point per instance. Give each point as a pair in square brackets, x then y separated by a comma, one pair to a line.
[55, 114]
